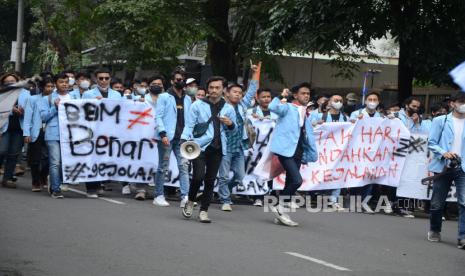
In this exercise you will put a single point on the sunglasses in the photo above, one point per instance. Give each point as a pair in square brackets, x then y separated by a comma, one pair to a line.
[104, 78]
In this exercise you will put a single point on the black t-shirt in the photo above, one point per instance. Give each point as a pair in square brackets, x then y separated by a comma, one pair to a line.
[180, 114]
[299, 151]
[215, 110]
[266, 113]
[335, 117]
[13, 123]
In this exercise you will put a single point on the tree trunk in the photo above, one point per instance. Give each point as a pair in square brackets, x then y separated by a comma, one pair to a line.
[405, 72]
[220, 51]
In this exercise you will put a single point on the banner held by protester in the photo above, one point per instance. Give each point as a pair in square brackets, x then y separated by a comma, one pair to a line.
[107, 140]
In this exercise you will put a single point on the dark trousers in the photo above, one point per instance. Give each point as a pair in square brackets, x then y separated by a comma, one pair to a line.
[38, 159]
[205, 170]
[441, 188]
[293, 178]
[11, 144]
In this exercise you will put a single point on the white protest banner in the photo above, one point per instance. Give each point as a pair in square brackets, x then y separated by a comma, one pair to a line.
[253, 184]
[8, 98]
[372, 150]
[415, 169]
[107, 140]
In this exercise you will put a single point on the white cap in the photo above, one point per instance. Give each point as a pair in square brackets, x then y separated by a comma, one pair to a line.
[190, 80]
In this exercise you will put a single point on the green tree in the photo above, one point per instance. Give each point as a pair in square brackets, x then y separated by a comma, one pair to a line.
[430, 34]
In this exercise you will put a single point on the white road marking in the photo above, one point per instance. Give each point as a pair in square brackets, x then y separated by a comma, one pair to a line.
[318, 261]
[102, 198]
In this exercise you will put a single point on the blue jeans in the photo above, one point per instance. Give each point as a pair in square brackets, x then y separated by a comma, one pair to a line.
[164, 153]
[54, 160]
[230, 162]
[334, 195]
[11, 144]
[441, 187]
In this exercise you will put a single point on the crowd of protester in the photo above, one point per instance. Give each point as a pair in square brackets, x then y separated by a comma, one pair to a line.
[32, 131]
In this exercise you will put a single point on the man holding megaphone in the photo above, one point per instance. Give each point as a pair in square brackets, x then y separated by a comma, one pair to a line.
[210, 123]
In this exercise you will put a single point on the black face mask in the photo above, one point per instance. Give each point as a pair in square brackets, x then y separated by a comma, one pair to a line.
[349, 109]
[411, 111]
[179, 85]
[439, 114]
[155, 89]
[34, 91]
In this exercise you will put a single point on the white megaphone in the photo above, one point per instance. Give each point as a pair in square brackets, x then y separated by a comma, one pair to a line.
[190, 150]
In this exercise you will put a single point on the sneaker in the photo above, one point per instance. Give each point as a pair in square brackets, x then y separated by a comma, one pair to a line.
[434, 236]
[126, 190]
[19, 170]
[160, 201]
[64, 187]
[203, 217]
[140, 196]
[188, 209]
[281, 217]
[461, 244]
[183, 201]
[226, 207]
[57, 195]
[336, 206]
[388, 209]
[151, 184]
[92, 195]
[406, 213]
[9, 184]
[258, 203]
[106, 188]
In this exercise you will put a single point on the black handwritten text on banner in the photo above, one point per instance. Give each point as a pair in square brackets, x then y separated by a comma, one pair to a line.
[107, 140]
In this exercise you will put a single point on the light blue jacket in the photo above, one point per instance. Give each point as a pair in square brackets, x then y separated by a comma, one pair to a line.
[149, 100]
[94, 93]
[23, 98]
[287, 132]
[440, 141]
[354, 115]
[166, 114]
[49, 116]
[422, 127]
[246, 102]
[77, 93]
[200, 113]
[32, 121]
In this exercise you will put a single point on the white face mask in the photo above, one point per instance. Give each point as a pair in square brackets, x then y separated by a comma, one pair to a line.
[191, 91]
[141, 90]
[460, 109]
[71, 81]
[84, 84]
[372, 105]
[336, 105]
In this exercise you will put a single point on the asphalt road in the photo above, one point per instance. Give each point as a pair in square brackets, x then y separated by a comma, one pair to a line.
[80, 236]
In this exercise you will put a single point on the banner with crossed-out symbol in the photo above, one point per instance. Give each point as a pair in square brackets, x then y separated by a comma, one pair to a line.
[107, 140]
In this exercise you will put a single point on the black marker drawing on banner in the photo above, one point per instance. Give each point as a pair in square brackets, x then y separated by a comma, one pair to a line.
[249, 164]
[82, 170]
[104, 145]
[253, 185]
[403, 148]
[92, 112]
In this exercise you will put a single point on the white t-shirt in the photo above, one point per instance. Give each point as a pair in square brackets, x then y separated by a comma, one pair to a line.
[64, 97]
[458, 131]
